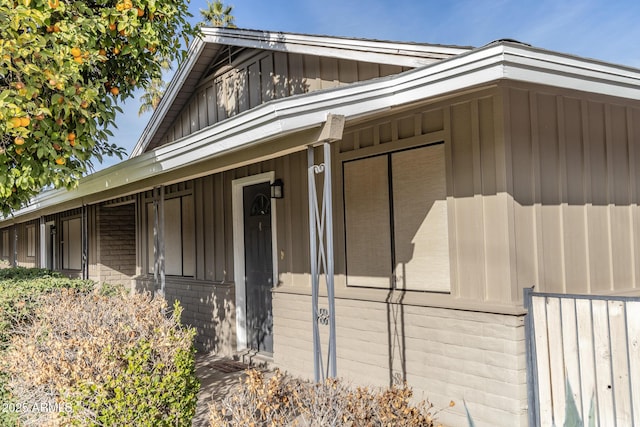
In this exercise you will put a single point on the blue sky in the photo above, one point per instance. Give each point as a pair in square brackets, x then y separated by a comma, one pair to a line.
[600, 29]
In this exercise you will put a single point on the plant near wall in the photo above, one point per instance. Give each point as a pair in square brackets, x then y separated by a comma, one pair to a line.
[105, 360]
[282, 400]
[21, 291]
[64, 65]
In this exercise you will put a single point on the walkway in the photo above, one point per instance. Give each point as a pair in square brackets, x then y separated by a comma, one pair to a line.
[218, 376]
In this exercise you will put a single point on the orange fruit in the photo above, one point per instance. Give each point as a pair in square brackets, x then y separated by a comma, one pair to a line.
[24, 121]
[16, 122]
[19, 151]
[140, 12]
[53, 4]
[18, 140]
[102, 52]
[114, 90]
[75, 51]
[60, 161]
[71, 136]
[112, 27]
[78, 59]
[57, 146]
[116, 50]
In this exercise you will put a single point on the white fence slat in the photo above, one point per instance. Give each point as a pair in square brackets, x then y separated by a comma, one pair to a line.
[619, 363]
[570, 349]
[542, 359]
[633, 334]
[585, 355]
[604, 382]
[592, 345]
[556, 360]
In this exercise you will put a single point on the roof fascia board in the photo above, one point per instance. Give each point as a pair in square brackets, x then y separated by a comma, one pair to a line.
[383, 52]
[294, 114]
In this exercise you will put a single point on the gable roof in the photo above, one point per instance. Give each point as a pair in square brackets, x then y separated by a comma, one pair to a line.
[205, 49]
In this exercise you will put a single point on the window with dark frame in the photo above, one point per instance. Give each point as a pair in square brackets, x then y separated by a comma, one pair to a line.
[72, 244]
[179, 236]
[396, 229]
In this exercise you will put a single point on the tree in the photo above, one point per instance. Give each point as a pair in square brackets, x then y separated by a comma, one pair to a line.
[64, 65]
[218, 15]
[154, 92]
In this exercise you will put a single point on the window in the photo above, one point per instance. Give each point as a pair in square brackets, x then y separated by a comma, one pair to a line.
[396, 220]
[31, 241]
[179, 236]
[72, 244]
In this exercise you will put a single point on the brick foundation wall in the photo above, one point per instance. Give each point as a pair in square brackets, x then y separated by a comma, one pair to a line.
[116, 227]
[444, 354]
[208, 307]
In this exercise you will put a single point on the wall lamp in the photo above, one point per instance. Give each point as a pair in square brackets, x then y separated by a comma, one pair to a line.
[277, 189]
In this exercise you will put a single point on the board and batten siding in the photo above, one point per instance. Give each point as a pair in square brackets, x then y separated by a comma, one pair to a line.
[574, 163]
[257, 77]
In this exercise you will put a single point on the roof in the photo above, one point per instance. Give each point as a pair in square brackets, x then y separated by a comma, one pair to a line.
[205, 49]
[501, 60]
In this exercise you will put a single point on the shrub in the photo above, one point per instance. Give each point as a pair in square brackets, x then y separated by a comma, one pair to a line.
[21, 290]
[104, 360]
[285, 401]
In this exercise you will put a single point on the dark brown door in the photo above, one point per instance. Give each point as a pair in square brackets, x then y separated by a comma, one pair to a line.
[258, 266]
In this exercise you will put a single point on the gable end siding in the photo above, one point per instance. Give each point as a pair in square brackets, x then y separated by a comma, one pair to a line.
[260, 77]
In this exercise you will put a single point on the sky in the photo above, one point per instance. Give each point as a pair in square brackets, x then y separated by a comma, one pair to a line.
[599, 29]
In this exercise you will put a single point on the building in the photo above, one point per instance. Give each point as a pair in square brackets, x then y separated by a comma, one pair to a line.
[460, 177]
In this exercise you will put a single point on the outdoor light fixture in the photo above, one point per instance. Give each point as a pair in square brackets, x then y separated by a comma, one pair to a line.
[277, 189]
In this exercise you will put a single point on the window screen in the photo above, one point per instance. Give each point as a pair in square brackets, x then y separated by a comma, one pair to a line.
[396, 220]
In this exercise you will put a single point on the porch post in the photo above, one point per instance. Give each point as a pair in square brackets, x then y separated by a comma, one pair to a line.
[158, 240]
[85, 242]
[43, 244]
[15, 245]
[321, 245]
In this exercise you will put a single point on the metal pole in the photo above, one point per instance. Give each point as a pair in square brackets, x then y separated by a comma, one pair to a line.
[85, 243]
[158, 240]
[532, 380]
[328, 197]
[15, 245]
[313, 255]
[43, 243]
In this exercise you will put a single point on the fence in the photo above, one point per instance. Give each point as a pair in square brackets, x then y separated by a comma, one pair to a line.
[583, 359]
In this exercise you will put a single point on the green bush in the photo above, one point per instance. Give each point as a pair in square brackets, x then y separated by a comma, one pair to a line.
[105, 360]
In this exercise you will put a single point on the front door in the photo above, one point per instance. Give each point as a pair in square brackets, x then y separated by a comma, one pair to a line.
[258, 266]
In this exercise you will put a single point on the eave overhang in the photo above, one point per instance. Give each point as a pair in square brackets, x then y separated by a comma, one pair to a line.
[279, 118]
[213, 39]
